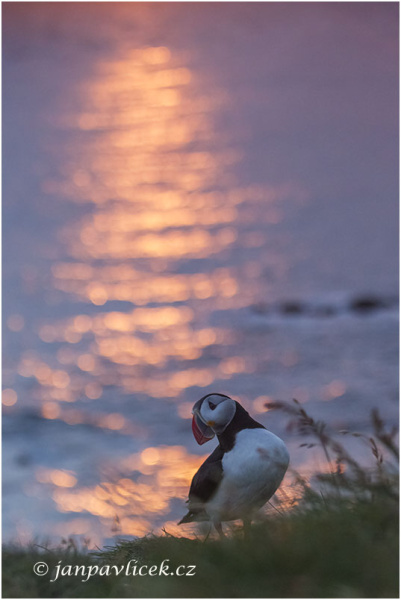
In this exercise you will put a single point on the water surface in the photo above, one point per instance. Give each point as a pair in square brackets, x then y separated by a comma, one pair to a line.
[175, 177]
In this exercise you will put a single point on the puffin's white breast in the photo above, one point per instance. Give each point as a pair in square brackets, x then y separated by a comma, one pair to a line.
[252, 472]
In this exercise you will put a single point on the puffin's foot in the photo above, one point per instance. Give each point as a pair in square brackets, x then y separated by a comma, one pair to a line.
[247, 528]
[208, 533]
[219, 529]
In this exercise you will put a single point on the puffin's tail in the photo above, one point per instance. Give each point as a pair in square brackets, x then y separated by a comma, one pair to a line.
[193, 515]
[188, 518]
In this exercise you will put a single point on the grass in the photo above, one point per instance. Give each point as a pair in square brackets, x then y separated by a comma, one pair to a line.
[340, 539]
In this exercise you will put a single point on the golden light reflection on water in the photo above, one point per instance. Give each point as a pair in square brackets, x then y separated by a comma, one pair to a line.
[161, 182]
[140, 287]
[147, 160]
[161, 474]
[9, 397]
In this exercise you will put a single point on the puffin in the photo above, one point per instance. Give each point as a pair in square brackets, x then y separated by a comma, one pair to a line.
[242, 473]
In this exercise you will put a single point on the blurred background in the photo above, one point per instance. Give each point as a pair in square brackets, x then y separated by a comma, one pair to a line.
[196, 198]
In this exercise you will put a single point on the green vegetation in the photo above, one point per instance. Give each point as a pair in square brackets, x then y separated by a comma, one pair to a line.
[340, 539]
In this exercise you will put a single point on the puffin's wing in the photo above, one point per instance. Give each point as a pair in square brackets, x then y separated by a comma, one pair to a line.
[208, 478]
[204, 484]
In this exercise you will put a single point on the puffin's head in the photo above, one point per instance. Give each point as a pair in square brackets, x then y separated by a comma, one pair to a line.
[211, 415]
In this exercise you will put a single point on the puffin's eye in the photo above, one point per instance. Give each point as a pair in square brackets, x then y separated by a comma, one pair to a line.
[212, 406]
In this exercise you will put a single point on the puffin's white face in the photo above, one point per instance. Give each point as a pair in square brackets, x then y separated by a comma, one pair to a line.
[212, 414]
